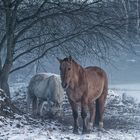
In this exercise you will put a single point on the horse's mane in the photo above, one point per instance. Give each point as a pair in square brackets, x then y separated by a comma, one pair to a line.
[68, 60]
[78, 68]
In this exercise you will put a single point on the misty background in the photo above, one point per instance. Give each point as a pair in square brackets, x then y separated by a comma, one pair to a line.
[121, 69]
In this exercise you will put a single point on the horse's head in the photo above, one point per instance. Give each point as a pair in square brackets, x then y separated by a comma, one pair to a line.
[66, 71]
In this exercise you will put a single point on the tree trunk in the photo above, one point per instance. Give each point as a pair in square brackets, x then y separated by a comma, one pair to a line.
[4, 84]
[4, 74]
[0, 64]
[10, 19]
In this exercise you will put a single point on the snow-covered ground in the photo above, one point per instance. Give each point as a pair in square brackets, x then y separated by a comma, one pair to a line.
[121, 122]
[129, 89]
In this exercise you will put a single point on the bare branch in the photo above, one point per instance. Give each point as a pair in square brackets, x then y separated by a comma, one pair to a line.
[47, 42]
[48, 49]
[33, 37]
[33, 15]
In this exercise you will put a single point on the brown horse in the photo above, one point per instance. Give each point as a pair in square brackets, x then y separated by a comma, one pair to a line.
[87, 86]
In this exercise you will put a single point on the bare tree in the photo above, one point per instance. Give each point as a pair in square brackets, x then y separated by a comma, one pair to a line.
[38, 27]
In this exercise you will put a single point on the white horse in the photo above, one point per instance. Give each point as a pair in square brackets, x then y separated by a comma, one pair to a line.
[45, 88]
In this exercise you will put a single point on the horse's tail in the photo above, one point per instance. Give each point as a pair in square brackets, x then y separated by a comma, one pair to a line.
[97, 114]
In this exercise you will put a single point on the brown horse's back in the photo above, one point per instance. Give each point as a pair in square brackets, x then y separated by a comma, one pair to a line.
[96, 71]
[97, 82]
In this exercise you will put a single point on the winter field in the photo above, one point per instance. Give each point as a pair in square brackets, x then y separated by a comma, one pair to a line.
[121, 122]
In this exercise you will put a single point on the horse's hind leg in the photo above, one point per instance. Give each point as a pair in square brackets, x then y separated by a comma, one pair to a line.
[34, 105]
[74, 107]
[29, 100]
[92, 110]
[39, 107]
[101, 103]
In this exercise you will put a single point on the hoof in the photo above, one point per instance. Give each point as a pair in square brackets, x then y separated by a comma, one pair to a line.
[101, 129]
[90, 127]
[86, 132]
[101, 125]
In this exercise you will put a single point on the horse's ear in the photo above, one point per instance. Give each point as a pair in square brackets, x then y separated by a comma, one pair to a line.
[60, 60]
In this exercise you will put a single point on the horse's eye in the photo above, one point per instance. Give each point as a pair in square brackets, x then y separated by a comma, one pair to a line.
[69, 68]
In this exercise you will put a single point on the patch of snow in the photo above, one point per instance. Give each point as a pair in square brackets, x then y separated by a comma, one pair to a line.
[122, 119]
[56, 135]
[50, 74]
[132, 90]
[1, 90]
[2, 99]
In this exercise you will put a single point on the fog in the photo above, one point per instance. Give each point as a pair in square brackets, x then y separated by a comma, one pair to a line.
[123, 69]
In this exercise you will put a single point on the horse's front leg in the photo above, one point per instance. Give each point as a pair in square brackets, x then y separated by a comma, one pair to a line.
[34, 105]
[39, 107]
[84, 117]
[74, 107]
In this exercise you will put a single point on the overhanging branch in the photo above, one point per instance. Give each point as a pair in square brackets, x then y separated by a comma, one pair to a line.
[43, 54]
